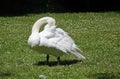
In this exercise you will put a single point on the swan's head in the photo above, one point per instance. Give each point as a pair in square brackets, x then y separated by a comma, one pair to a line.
[34, 40]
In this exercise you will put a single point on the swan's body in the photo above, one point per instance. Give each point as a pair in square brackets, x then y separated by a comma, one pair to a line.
[52, 40]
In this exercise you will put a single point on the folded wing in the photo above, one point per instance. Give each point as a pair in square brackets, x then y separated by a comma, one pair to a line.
[62, 41]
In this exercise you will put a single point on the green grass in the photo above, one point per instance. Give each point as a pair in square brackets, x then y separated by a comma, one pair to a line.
[97, 34]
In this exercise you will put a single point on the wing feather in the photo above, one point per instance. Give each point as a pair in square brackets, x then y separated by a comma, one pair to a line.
[60, 40]
[64, 42]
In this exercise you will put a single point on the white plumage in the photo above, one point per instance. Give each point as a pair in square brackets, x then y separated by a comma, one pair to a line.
[52, 40]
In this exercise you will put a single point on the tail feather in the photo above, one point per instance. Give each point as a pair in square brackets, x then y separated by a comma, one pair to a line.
[78, 55]
[76, 48]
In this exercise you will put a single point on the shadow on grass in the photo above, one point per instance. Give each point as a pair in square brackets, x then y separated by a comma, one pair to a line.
[55, 63]
[3, 74]
[106, 76]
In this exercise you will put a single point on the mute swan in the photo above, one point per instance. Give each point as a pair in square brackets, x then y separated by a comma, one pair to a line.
[52, 40]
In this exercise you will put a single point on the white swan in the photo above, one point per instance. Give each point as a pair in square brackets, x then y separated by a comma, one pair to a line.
[52, 41]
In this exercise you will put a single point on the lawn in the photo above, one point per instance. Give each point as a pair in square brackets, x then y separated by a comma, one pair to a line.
[96, 34]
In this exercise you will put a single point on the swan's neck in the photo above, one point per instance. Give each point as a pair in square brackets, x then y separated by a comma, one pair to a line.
[41, 21]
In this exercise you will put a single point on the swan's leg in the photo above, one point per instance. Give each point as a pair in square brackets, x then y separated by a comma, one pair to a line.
[47, 57]
[58, 59]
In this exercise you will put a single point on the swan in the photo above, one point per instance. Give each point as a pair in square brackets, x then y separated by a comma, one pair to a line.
[52, 40]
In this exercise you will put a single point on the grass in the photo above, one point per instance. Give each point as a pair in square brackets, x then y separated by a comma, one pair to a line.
[97, 34]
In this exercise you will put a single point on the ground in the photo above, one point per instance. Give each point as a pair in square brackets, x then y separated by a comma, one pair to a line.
[96, 34]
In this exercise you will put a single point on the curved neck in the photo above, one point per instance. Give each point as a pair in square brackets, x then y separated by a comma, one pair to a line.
[41, 21]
